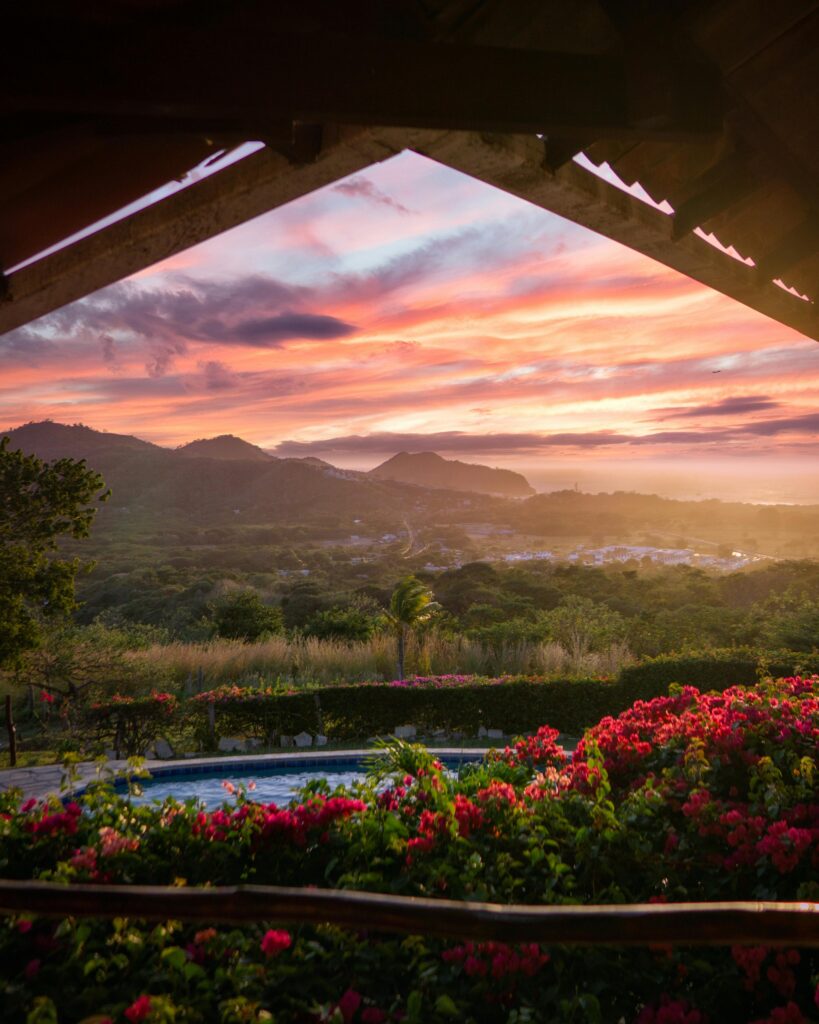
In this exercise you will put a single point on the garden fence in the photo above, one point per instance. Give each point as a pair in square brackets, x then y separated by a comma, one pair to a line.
[640, 924]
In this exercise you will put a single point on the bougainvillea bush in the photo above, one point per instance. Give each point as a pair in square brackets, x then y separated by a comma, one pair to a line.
[686, 797]
[130, 723]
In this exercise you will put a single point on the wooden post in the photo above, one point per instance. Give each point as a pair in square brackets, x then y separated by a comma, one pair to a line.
[118, 739]
[200, 679]
[12, 730]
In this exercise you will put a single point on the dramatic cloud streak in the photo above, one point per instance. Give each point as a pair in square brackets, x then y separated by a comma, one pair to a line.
[532, 444]
[726, 407]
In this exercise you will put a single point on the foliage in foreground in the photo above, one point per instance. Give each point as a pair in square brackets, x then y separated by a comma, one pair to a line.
[686, 797]
[40, 503]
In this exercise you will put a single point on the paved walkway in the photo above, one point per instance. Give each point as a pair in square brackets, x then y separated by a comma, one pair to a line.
[45, 779]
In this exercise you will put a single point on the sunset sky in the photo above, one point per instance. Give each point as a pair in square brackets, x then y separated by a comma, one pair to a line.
[411, 307]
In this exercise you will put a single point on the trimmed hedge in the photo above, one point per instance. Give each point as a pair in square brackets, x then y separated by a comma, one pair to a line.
[512, 704]
[351, 712]
[711, 670]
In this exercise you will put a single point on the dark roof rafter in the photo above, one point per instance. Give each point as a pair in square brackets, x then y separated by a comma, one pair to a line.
[241, 81]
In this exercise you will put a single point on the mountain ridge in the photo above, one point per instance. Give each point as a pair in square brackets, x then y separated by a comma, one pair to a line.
[117, 453]
[145, 478]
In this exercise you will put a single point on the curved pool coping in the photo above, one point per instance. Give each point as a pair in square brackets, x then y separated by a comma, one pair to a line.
[338, 758]
[44, 780]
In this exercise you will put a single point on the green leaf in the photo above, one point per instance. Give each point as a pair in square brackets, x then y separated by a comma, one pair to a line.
[415, 1003]
[43, 1012]
[445, 1005]
[175, 956]
[93, 964]
[192, 970]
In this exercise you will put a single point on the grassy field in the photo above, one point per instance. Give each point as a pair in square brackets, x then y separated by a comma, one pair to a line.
[328, 661]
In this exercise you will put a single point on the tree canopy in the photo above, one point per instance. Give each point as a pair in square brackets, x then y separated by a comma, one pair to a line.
[246, 617]
[40, 503]
[412, 605]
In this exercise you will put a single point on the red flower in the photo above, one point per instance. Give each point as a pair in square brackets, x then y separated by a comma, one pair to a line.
[139, 1009]
[275, 942]
[348, 1004]
[32, 969]
[46, 697]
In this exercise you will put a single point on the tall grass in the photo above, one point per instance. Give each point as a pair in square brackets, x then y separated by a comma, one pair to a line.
[300, 662]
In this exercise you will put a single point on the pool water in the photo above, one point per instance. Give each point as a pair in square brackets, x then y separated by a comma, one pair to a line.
[265, 783]
[265, 786]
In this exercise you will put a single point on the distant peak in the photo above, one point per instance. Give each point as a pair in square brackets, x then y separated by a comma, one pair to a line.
[225, 446]
[429, 469]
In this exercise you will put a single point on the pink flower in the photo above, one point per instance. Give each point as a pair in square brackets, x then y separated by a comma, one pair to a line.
[85, 859]
[32, 969]
[113, 842]
[275, 942]
[139, 1009]
[348, 1004]
[24, 926]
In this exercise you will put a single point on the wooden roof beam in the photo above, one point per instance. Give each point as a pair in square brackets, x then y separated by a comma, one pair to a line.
[244, 190]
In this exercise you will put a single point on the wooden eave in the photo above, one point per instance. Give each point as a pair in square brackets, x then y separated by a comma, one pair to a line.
[713, 107]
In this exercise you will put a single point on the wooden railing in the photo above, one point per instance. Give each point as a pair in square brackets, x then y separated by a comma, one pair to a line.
[640, 924]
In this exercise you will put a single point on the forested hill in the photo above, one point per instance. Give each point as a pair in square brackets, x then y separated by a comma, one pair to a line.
[50, 441]
[226, 446]
[428, 469]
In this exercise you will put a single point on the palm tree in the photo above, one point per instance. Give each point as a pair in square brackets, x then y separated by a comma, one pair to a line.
[411, 605]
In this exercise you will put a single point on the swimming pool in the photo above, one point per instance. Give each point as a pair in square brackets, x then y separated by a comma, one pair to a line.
[266, 781]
